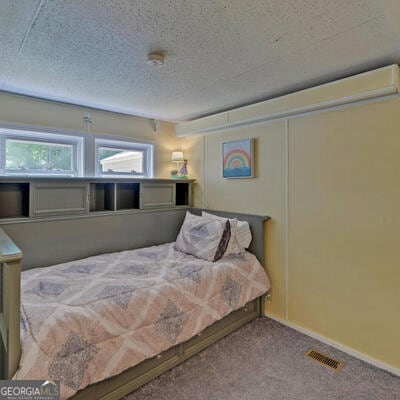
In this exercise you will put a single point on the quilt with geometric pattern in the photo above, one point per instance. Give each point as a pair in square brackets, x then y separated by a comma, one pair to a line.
[88, 320]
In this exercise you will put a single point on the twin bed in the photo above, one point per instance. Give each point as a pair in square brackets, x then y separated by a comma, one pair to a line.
[106, 324]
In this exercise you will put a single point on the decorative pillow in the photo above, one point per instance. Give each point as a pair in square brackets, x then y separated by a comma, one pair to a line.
[241, 234]
[205, 238]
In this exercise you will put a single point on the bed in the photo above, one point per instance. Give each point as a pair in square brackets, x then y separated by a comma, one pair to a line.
[123, 318]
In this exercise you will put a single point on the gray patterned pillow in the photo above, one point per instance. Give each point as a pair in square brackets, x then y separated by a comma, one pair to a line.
[205, 238]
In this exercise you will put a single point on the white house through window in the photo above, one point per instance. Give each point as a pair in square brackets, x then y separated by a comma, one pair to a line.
[124, 158]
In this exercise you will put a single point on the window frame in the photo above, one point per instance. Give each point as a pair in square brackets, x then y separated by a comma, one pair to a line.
[39, 136]
[85, 151]
[146, 148]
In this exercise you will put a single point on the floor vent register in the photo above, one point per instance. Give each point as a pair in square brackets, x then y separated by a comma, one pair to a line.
[324, 359]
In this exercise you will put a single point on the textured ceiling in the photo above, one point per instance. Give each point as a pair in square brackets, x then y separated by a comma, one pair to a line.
[219, 54]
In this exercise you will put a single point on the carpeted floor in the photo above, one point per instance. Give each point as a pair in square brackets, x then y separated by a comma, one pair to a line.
[265, 360]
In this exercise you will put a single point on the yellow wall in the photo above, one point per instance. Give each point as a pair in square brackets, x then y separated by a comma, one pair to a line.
[343, 171]
[344, 259]
[29, 111]
[264, 195]
[193, 150]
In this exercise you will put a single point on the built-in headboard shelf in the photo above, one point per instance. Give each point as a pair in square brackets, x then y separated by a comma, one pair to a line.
[41, 197]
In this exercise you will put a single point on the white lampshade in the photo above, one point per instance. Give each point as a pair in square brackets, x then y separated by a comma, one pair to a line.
[177, 156]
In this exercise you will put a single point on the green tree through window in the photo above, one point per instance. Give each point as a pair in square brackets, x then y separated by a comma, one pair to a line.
[27, 155]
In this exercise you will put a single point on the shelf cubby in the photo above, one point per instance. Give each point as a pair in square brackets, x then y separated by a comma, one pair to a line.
[182, 192]
[128, 196]
[102, 197]
[14, 199]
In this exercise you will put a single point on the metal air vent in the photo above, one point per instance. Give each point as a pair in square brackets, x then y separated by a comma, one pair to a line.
[324, 359]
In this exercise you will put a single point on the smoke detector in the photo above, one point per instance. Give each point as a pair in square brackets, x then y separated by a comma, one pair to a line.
[156, 58]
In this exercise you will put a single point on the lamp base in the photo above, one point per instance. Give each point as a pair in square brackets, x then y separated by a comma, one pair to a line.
[179, 177]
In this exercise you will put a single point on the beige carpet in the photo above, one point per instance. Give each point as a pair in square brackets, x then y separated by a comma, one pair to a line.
[265, 360]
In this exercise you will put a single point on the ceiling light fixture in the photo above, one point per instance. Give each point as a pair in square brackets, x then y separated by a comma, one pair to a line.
[156, 58]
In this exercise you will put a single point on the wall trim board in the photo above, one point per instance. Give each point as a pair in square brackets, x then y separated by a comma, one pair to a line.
[386, 85]
[203, 172]
[286, 218]
[396, 78]
[301, 115]
[268, 119]
[336, 345]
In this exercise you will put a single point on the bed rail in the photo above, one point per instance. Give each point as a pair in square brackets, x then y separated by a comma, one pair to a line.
[10, 312]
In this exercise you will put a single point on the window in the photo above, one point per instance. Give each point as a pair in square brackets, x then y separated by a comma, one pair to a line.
[38, 153]
[45, 153]
[124, 158]
[28, 155]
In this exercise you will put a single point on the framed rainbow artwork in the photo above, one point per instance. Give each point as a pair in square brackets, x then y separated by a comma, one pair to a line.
[238, 159]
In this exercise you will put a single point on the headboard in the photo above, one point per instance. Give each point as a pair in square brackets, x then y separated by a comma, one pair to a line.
[51, 241]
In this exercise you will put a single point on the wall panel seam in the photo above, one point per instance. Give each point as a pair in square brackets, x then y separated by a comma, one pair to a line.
[286, 158]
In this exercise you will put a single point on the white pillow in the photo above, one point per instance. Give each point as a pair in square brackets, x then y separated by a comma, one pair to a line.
[243, 234]
[240, 233]
[205, 238]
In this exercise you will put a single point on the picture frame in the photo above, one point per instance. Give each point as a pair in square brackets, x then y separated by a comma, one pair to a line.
[238, 159]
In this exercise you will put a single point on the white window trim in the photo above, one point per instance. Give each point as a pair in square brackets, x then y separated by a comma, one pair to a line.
[39, 136]
[146, 148]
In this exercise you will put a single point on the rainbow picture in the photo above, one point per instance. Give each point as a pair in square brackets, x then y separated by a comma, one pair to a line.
[238, 159]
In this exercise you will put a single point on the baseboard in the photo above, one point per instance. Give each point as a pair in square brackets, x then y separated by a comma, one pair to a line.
[341, 347]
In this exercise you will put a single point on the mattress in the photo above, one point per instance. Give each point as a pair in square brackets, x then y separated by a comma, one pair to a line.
[88, 320]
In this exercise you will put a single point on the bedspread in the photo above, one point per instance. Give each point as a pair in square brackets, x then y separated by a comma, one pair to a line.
[85, 321]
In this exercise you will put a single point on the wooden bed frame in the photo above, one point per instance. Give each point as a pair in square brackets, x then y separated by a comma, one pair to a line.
[143, 229]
